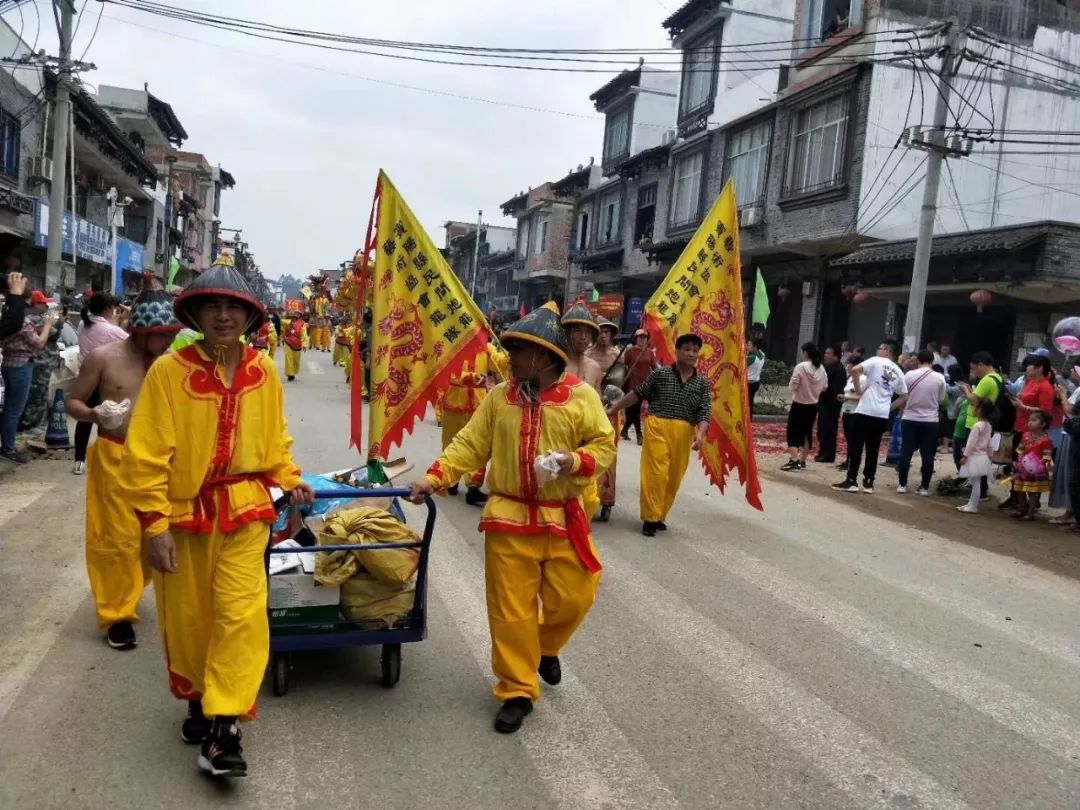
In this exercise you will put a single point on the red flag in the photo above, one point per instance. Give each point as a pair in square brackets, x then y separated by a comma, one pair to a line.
[361, 272]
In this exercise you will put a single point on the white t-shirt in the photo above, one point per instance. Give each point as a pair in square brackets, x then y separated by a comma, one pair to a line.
[881, 380]
[754, 367]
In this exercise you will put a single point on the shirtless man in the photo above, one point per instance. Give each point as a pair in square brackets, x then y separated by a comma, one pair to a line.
[581, 332]
[113, 535]
[604, 351]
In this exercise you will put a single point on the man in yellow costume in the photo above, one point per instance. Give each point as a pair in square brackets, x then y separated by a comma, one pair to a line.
[680, 405]
[541, 566]
[295, 340]
[114, 560]
[342, 344]
[207, 440]
[606, 353]
[467, 390]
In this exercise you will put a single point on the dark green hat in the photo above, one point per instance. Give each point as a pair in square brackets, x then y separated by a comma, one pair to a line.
[222, 280]
[542, 328]
[579, 315]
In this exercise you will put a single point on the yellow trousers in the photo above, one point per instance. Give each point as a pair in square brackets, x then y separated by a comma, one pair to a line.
[114, 560]
[325, 340]
[292, 362]
[451, 423]
[665, 456]
[538, 594]
[339, 354]
[212, 613]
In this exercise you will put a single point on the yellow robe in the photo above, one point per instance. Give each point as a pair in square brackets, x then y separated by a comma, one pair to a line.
[467, 390]
[272, 340]
[292, 356]
[530, 551]
[199, 460]
[114, 561]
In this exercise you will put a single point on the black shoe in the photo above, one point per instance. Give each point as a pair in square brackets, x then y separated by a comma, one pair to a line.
[791, 466]
[843, 465]
[847, 485]
[452, 490]
[660, 526]
[197, 726]
[1008, 503]
[14, 456]
[511, 715]
[648, 528]
[121, 636]
[867, 486]
[550, 669]
[474, 496]
[625, 435]
[605, 514]
[290, 378]
[221, 752]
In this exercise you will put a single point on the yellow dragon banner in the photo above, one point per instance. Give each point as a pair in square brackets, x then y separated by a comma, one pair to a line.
[702, 294]
[425, 326]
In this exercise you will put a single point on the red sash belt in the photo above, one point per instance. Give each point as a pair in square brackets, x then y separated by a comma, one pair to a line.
[294, 343]
[206, 502]
[577, 527]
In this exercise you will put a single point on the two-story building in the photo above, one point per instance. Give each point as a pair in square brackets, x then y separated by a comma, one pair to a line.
[541, 265]
[486, 271]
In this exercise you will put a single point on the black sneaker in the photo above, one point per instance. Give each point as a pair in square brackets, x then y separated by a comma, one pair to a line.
[648, 528]
[660, 526]
[474, 496]
[290, 378]
[791, 466]
[847, 485]
[452, 490]
[121, 636]
[868, 486]
[605, 514]
[197, 726]
[14, 456]
[550, 669]
[221, 752]
[511, 715]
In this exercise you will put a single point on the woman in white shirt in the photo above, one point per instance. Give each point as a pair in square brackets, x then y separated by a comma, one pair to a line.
[808, 380]
[920, 423]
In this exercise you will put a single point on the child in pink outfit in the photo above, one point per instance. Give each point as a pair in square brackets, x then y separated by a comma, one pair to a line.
[976, 462]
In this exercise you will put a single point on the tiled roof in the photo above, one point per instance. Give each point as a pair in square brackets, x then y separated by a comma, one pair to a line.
[574, 178]
[622, 82]
[686, 14]
[989, 240]
[656, 154]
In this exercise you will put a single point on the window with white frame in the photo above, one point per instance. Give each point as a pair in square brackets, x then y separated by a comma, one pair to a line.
[818, 142]
[825, 18]
[582, 229]
[746, 156]
[700, 61]
[609, 217]
[617, 135]
[540, 233]
[523, 238]
[686, 188]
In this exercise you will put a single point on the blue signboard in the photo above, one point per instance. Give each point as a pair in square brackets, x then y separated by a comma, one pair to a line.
[635, 310]
[129, 259]
[91, 241]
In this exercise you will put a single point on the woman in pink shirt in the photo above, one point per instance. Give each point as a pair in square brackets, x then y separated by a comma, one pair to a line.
[808, 380]
[920, 422]
[96, 330]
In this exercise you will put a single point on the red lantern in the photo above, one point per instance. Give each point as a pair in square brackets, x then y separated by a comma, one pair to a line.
[860, 299]
[782, 293]
[850, 291]
[981, 298]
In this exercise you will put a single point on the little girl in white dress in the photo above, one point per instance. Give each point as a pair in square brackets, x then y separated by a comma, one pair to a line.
[976, 462]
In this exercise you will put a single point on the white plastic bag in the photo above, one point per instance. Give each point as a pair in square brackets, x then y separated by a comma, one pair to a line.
[111, 415]
[547, 467]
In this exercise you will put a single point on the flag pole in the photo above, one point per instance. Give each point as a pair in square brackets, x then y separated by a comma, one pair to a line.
[361, 273]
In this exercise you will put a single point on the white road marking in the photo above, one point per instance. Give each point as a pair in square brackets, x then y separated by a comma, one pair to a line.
[583, 758]
[846, 755]
[1047, 727]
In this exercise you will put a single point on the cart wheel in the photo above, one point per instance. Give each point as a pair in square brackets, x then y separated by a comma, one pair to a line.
[391, 665]
[281, 674]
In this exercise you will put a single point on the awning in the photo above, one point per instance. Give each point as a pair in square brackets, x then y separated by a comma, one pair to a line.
[1033, 291]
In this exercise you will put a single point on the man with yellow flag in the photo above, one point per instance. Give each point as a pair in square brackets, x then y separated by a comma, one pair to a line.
[695, 321]
[547, 437]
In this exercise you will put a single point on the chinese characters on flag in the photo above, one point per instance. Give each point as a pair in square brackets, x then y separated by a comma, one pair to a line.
[425, 325]
[702, 294]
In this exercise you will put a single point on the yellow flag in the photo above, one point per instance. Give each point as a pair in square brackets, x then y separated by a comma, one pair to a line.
[702, 294]
[425, 325]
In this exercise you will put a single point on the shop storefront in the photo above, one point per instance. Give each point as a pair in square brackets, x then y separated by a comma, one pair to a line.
[90, 264]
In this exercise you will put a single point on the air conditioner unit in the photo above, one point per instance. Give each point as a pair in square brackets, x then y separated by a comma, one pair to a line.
[40, 169]
[669, 137]
[751, 216]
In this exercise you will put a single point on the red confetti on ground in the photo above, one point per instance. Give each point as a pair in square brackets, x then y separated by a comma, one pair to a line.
[770, 439]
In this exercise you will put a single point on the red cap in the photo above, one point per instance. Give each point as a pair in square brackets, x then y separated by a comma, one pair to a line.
[38, 297]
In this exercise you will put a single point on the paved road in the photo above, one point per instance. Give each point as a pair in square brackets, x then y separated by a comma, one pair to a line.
[814, 656]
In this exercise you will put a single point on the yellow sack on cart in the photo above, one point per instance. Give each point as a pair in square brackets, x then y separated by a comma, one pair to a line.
[374, 604]
[366, 526]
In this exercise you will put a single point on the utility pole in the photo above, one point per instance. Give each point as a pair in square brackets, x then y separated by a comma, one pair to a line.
[936, 150]
[61, 119]
[476, 254]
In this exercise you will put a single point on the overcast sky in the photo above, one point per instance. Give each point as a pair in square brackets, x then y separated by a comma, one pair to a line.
[304, 131]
